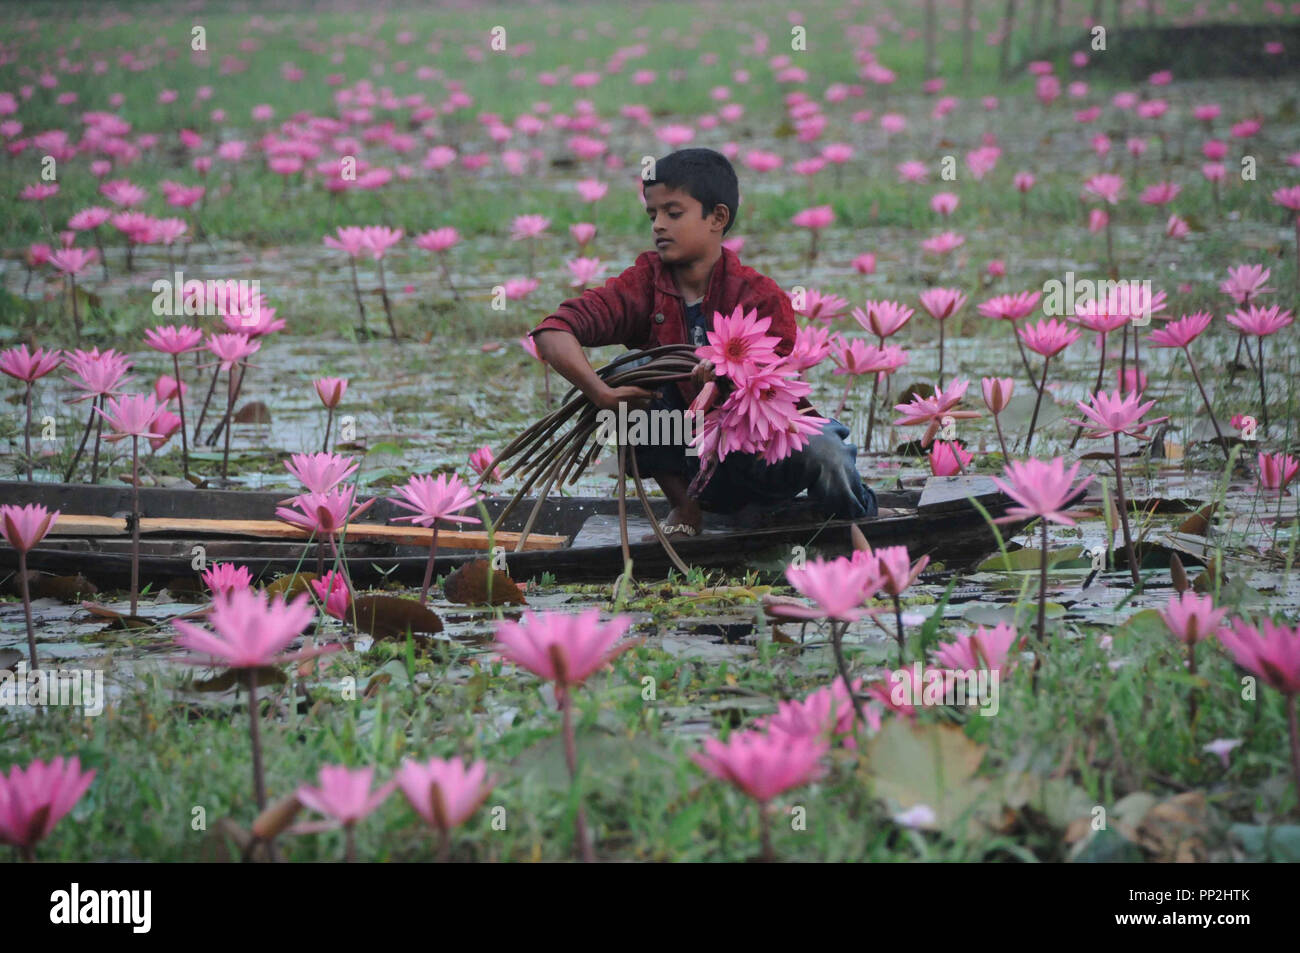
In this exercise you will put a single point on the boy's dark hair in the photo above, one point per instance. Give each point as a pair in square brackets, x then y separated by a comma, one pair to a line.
[705, 175]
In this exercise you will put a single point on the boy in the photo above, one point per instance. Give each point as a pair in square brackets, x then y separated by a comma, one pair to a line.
[670, 293]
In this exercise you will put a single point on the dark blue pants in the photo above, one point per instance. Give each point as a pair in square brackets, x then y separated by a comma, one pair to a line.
[826, 468]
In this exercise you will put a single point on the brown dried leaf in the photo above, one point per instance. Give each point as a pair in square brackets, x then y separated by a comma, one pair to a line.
[390, 617]
[279, 815]
[1178, 574]
[1175, 830]
[468, 586]
[1198, 524]
[115, 619]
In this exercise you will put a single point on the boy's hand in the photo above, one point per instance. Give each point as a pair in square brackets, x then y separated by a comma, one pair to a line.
[637, 398]
[703, 373]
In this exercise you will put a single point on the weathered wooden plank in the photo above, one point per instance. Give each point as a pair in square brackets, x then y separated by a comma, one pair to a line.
[942, 494]
[85, 525]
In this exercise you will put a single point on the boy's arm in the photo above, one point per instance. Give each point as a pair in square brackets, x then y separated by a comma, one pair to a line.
[561, 350]
[618, 312]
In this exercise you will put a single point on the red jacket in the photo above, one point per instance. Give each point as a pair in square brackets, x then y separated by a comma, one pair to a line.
[642, 307]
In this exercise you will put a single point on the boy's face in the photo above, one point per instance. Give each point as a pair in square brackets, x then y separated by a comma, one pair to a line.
[681, 233]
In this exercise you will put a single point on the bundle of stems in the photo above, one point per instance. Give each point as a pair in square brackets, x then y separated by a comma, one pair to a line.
[538, 455]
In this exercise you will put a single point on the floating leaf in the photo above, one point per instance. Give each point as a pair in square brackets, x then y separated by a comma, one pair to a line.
[267, 675]
[933, 765]
[291, 585]
[990, 614]
[254, 412]
[63, 588]
[1027, 559]
[468, 586]
[389, 617]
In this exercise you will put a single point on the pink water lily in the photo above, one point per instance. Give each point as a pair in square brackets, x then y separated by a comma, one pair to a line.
[1115, 413]
[250, 630]
[932, 410]
[35, 798]
[988, 649]
[1276, 471]
[224, 578]
[132, 415]
[948, 458]
[942, 303]
[1110, 415]
[22, 528]
[1272, 652]
[481, 462]
[882, 318]
[28, 367]
[738, 343]
[561, 647]
[320, 472]
[333, 592]
[763, 765]
[344, 795]
[444, 793]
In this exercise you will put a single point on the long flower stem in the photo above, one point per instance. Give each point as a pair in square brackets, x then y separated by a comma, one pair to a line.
[871, 411]
[837, 644]
[1263, 400]
[1293, 728]
[1123, 517]
[388, 308]
[1101, 371]
[230, 407]
[329, 425]
[898, 620]
[1033, 421]
[571, 759]
[255, 738]
[941, 325]
[428, 569]
[765, 833]
[135, 522]
[1196, 376]
[203, 411]
[446, 275]
[27, 432]
[226, 421]
[1024, 358]
[76, 313]
[85, 435]
[1191, 670]
[99, 433]
[1006, 457]
[1042, 586]
[356, 290]
[844, 398]
[180, 404]
[27, 606]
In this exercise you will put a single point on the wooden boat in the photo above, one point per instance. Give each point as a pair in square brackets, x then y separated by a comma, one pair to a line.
[575, 539]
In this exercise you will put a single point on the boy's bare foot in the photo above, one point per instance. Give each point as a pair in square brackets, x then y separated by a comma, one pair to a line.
[682, 522]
